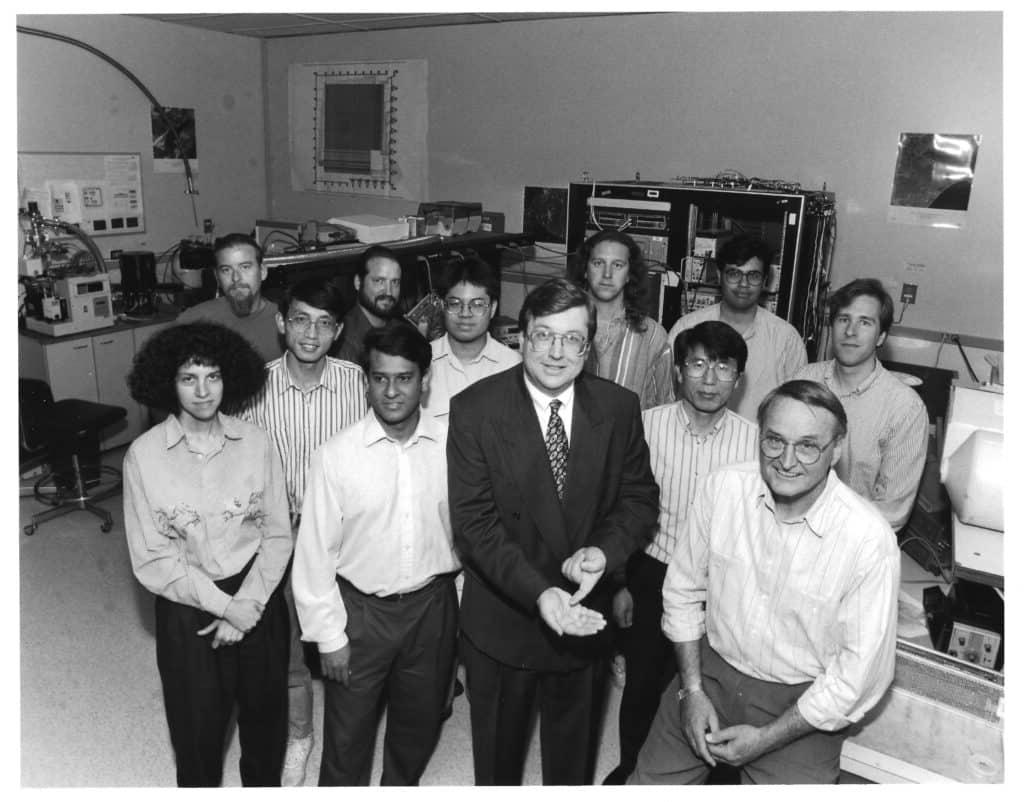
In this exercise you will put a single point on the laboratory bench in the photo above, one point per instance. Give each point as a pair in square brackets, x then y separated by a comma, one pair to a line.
[941, 720]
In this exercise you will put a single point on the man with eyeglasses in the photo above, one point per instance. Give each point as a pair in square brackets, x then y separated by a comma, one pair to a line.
[308, 397]
[467, 352]
[883, 459]
[241, 306]
[378, 284]
[550, 489]
[775, 351]
[688, 439]
[780, 602]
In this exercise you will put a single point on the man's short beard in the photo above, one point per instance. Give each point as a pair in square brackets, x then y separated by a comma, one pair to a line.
[370, 306]
[242, 306]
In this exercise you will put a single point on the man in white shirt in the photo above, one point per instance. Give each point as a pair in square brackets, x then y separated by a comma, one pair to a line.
[373, 571]
[775, 351]
[780, 602]
[688, 439]
[467, 352]
[308, 397]
[883, 458]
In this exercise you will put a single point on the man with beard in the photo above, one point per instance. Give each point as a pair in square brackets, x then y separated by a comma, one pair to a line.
[378, 286]
[241, 306]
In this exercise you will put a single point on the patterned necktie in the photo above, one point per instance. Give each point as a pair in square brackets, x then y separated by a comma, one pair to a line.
[558, 448]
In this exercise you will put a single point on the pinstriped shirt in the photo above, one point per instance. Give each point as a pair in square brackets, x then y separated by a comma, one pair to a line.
[884, 452]
[300, 421]
[811, 601]
[681, 459]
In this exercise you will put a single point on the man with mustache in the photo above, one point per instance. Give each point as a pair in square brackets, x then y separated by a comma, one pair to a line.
[241, 306]
[378, 288]
[883, 458]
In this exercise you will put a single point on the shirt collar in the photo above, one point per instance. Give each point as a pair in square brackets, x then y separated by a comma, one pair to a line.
[816, 517]
[861, 388]
[174, 433]
[428, 427]
[689, 426]
[444, 349]
[284, 381]
[542, 401]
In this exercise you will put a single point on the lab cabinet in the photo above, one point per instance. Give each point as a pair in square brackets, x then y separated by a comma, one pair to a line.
[93, 367]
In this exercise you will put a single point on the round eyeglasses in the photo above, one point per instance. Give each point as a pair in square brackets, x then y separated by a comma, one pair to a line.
[543, 339]
[806, 453]
[734, 275]
[477, 306]
[323, 325]
[723, 371]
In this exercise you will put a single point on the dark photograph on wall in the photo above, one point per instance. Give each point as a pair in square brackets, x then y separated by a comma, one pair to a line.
[168, 149]
[935, 171]
[544, 213]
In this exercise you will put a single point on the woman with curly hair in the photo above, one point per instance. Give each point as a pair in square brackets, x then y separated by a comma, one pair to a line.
[206, 516]
[629, 348]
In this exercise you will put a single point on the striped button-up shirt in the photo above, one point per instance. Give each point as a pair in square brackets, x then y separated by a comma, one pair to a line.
[300, 421]
[375, 513]
[886, 445]
[810, 601]
[681, 459]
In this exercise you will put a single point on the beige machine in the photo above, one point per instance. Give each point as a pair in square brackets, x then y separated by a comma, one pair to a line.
[83, 303]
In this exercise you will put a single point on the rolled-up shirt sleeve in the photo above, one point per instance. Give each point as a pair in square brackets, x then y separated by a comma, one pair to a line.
[318, 602]
[685, 590]
[864, 660]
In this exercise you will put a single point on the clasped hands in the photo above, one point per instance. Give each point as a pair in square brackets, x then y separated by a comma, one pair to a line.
[563, 612]
[240, 616]
[734, 745]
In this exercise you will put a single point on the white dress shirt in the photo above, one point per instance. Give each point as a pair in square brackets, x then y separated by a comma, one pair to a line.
[376, 514]
[450, 375]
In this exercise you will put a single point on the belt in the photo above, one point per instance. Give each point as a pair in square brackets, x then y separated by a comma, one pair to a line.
[408, 595]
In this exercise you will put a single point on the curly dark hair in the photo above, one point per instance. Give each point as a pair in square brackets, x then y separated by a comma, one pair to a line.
[634, 295]
[152, 378]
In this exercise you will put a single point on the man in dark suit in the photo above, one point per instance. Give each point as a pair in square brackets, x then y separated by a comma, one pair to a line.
[550, 488]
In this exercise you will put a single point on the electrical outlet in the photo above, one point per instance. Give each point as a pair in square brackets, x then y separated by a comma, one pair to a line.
[909, 294]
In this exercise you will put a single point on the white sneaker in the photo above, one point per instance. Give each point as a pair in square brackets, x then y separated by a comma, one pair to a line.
[295, 758]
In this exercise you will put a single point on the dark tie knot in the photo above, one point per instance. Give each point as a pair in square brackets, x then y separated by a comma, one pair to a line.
[555, 406]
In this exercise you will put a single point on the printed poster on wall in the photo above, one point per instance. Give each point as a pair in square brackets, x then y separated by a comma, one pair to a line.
[167, 158]
[933, 178]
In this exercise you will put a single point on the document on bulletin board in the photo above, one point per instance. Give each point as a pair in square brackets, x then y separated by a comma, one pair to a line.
[933, 178]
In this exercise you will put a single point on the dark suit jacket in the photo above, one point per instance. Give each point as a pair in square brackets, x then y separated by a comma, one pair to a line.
[509, 526]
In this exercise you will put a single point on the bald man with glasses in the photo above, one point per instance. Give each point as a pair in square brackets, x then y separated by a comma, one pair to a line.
[775, 351]
[780, 603]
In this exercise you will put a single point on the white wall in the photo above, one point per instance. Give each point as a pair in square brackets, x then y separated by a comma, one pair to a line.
[810, 97]
[72, 100]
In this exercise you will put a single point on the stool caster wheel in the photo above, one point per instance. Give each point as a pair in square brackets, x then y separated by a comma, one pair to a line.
[30, 529]
[106, 526]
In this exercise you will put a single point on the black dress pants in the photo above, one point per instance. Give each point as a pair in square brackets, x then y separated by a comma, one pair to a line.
[201, 686]
[501, 704]
[403, 651]
[650, 661]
